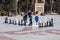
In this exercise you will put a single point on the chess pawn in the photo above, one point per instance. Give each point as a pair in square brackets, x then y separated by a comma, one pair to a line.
[15, 23]
[9, 21]
[52, 21]
[21, 22]
[39, 25]
[18, 22]
[47, 24]
[42, 24]
[12, 21]
[6, 20]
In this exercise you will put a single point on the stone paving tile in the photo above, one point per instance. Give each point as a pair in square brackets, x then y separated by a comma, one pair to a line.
[5, 38]
[53, 31]
[21, 32]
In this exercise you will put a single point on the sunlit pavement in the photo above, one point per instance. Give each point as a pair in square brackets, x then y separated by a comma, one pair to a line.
[13, 32]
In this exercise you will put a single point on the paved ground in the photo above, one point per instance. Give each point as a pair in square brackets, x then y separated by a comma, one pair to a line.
[14, 32]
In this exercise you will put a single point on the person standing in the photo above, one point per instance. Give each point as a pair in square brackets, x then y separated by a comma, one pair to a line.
[25, 19]
[36, 18]
[30, 17]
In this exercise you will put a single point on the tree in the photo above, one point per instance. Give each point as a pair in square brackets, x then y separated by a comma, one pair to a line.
[24, 5]
[58, 6]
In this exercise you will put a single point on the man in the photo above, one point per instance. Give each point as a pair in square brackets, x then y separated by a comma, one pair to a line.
[30, 17]
[25, 19]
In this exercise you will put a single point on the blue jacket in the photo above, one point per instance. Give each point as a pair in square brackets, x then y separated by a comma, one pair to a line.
[36, 18]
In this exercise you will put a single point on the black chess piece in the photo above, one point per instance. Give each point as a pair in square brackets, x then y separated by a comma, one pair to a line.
[51, 19]
[18, 22]
[47, 24]
[25, 21]
[21, 22]
[50, 23]
[10, 21]
[39, 25]
[6, 20]
[42, 25]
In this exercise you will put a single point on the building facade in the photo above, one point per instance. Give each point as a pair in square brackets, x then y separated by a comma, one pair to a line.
[39, 6]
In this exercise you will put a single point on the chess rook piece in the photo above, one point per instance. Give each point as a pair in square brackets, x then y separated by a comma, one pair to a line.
[6, 20]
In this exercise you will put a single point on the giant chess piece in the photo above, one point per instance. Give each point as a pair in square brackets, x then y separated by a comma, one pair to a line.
[18, 22]
[42, 25]
[21, 22]
[45, 25]
[10, 21]
[51, 22]
[51, 19]
[25, 22]
[6, 20]
[15, 23]
[39, 25]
